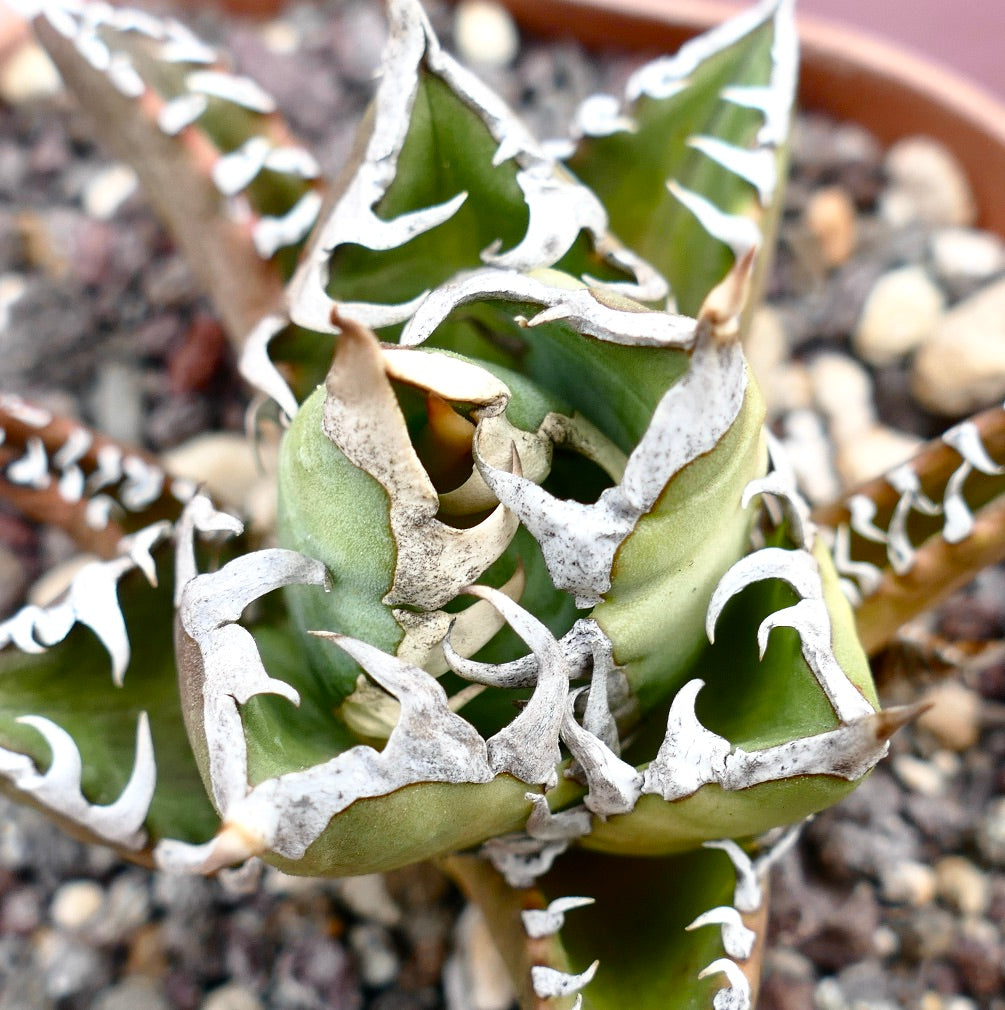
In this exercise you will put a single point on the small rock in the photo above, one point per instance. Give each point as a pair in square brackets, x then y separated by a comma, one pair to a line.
[108, 191]
[991, 832]
[927, 183]
[131, 994]
[967, 255]
[231, 996]
[900, 313]
[830, 217]
[76, 904]
[485, 34]
[927, 933]
[127, 907]
[28, 75]
[955, 716]
[961, 884]
[842, 390]
[961, 368]
[921, 776]
[874, 452]
[69, 966]
[907, 882]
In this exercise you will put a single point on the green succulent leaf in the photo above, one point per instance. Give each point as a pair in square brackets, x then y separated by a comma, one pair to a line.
[69, 689]
[447, 179]
[216, 159]
[690, 164]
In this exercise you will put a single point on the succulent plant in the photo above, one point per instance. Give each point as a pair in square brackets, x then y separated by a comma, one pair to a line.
[543, 599]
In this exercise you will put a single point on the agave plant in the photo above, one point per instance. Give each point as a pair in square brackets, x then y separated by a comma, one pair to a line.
[543, 600]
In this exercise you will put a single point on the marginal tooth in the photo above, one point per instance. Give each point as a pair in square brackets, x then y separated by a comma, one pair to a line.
[810, 618]
[541, 922]
[759, 166]
[32, 469]
[747, 895]
[737, 938]
[783, 484]
[180, 113]
[690, 756]
[797, 568]
[270, 234]
[549, 982]
[59, 788]
[867, 575]
[240, 90]
[257, 368]
[965, 438]
[614, 785]
[740, 233]
[565, 826]
[737, 995]
[528, 747]
[236, 170]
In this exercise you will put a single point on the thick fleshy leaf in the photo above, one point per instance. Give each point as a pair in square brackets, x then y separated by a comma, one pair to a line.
[448, 179]
[690, 165]
[64, 700]
[217, 161]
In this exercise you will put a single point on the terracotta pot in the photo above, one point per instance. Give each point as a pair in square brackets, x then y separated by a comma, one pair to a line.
[845, 73]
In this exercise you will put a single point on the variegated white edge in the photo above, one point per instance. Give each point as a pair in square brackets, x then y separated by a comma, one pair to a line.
[559, 208]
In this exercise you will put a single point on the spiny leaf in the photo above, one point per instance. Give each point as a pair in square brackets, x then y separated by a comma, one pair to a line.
[712, 121]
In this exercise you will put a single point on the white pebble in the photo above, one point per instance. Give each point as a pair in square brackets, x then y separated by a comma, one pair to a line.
[961, 368]
[476, 978]
[900, 313]
[809, 452]
[485, 34]
[966, 253]
[109, 190]
[28, 75]
[76, 904]
[369, 898]
[926, 183]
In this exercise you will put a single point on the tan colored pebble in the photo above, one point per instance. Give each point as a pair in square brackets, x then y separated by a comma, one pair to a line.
[830, 216]
[907, 882]
[486, 981]
[921, 776]
[76, 904]
[961, 368]
[901, 312]
[28, 75]
[961, 884]
[226, 464]
[926, 183]
[954, 718]
[842, 390]
[874, 451]
[766, 347]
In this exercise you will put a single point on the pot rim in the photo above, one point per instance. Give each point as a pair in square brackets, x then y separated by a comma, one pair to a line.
[845, 72]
